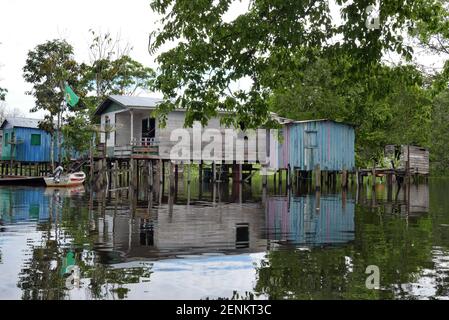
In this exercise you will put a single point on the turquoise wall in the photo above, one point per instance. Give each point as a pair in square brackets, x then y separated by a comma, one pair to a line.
[327, 143]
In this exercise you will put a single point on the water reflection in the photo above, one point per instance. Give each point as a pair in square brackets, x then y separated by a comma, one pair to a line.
[310, 220]
[412, 200]
[223, 242]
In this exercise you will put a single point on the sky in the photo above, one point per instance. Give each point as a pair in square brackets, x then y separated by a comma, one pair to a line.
[27, 23]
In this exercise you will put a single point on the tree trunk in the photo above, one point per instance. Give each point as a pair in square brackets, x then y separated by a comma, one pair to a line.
[52, 152]
[59, 137]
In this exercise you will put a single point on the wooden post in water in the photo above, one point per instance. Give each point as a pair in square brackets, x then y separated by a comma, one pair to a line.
[131, 180]
[264, 172]
[171, 177]
[189, 174]
[200, 172]
[150, 176]
[344, 179]
[317, 201]
[280, 180]
[317, 178]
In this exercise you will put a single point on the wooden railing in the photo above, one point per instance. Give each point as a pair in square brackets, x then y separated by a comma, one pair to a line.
[101, 150]
[146, 148]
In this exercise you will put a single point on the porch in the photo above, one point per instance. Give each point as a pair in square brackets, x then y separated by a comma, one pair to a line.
[130, 134]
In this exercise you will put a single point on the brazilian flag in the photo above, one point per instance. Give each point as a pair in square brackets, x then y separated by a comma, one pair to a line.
[71, 98]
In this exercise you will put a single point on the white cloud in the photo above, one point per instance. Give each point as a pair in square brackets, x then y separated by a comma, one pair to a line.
[27, 23]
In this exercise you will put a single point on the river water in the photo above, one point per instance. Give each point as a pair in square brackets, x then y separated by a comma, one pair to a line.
[225, 243]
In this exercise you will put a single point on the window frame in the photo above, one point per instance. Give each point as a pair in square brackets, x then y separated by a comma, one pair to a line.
[40, 139]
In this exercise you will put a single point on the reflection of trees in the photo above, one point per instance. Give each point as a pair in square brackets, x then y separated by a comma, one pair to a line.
[400, 247]
[106, 282]
[40, 276]
[70, 229]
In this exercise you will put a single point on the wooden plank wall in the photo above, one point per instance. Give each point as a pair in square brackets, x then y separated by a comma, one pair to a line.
[253, 148]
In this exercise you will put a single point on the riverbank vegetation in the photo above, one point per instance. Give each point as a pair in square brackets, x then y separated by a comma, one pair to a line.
[301, 59]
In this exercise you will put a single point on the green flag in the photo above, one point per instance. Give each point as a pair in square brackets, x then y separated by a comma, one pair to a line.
[71, 98]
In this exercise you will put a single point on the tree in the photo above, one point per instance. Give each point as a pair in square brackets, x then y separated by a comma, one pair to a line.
[112, 70]
[440, 127]
[3, 93]
[262, 45]
[386, 104]
[48, 67]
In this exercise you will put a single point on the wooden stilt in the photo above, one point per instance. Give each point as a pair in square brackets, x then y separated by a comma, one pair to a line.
[264, 173]
[317, 178]
[172, 177]
[344, 179]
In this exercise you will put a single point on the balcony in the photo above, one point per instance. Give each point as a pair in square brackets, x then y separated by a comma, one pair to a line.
[146, 148]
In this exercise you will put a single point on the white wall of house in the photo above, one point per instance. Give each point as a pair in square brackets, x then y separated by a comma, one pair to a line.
[123, 129]
[110, 142]
[121, 120]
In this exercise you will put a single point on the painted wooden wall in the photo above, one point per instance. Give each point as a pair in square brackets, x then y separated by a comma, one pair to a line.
[25, 151]
[303, 145]
[166, 137]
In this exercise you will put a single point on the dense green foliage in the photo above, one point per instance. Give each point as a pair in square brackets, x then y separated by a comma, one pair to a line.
[52, 64]
[112, 70]
[291, 58]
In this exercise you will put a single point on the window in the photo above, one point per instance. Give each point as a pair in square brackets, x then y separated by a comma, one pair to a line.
[311, 140]
[35, 139]
[6, 139]
[242, 235]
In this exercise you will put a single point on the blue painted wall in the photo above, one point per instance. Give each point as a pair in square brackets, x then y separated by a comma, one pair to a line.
[23, 204]
[25, 151]
[327, 143]
[297, 221]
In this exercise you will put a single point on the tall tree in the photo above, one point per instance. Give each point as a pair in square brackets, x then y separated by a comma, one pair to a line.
[111, 70]
[439, 154]
[262, 45]
[48, 68]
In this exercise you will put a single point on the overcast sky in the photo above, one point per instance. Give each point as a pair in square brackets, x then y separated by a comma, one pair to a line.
[27, 23]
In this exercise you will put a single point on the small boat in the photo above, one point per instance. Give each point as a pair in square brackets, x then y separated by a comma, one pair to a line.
[22, 181]
[67, 180]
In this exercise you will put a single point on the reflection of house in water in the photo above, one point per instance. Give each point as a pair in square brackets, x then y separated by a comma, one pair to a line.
[418, 198]
[310, 220]
[23, 204]
[184, 230]
[33, 204]
[410, 199]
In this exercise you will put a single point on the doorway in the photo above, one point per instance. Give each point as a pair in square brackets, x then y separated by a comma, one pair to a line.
[148, 130]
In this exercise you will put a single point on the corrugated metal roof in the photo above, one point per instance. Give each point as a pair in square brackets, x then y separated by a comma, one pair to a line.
[21, 122]
[129, 101]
